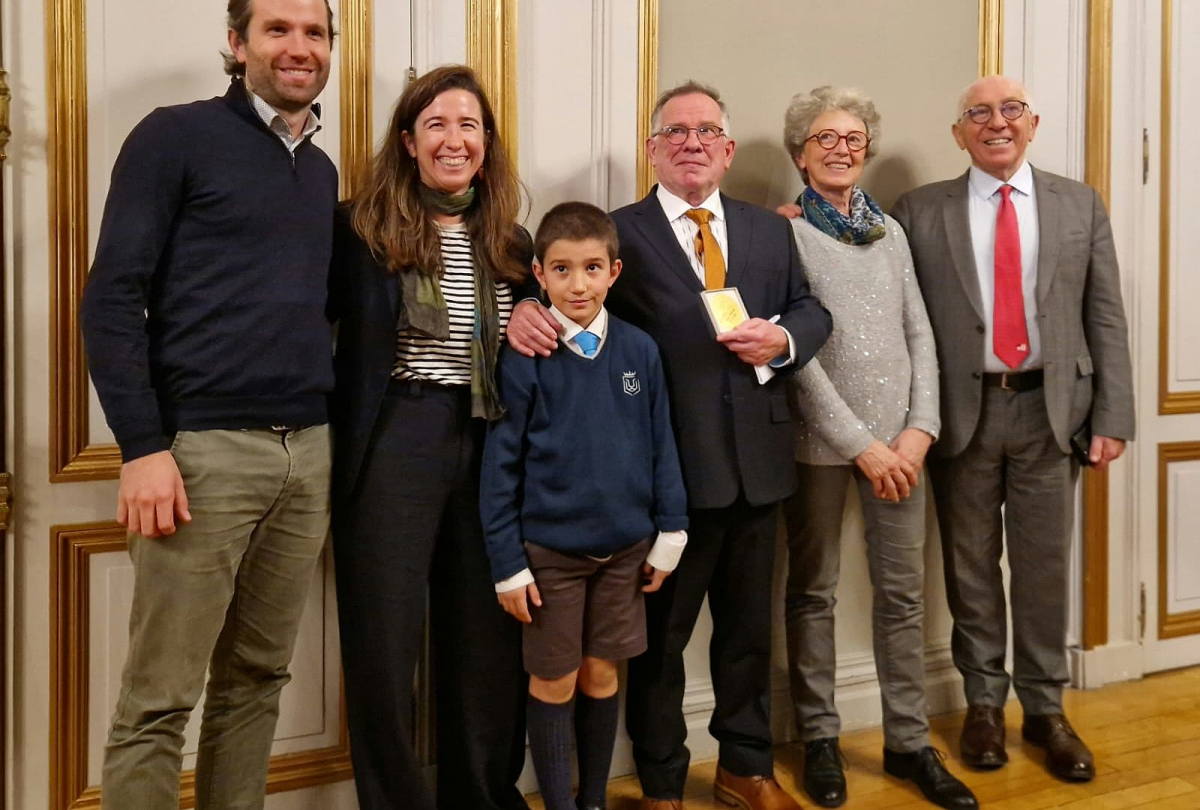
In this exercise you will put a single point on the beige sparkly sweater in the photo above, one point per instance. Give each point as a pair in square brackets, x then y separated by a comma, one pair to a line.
[877, 373]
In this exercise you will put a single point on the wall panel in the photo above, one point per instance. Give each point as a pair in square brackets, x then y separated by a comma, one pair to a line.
[577, 84]
[1178, 540]
[91, 591]
[1179, 331]
[759, 61]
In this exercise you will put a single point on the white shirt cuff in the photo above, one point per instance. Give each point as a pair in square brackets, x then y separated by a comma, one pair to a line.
[666, 551]
[784, 359]
[518, 580]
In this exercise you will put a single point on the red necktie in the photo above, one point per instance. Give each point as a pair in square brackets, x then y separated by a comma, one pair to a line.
[1010, 340]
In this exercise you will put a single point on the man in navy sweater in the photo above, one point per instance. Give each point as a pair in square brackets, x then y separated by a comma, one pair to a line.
[204, 321]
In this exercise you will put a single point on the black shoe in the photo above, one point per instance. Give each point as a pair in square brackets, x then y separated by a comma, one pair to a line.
[925, 769]
[824, 780]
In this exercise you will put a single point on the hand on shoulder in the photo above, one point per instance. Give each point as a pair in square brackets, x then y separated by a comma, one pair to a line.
[532, 329]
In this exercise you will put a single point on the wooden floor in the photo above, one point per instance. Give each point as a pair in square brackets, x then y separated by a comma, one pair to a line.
[1145, 736]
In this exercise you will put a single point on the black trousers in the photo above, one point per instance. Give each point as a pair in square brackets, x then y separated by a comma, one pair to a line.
[729, 558]
[412, 527]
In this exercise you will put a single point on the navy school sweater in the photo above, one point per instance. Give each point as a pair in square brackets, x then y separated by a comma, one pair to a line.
[585, 459]
[205, 305]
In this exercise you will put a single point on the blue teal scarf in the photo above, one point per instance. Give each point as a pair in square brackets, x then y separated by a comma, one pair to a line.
[865, 223]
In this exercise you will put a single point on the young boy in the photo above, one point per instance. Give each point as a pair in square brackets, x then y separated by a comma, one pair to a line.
[577, 478]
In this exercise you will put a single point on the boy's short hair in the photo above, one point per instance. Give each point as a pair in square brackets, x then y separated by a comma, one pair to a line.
[576, 221]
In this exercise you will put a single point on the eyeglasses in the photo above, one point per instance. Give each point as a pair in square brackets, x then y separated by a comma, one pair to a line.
[677, 135]
[827, 139]
[982, 113]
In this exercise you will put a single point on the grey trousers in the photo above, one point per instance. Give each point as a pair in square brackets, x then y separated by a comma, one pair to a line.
[895, 539]
[1014, 462]
[224, 593]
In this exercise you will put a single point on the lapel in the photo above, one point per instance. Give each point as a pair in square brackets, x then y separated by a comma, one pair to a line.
[957, 222]
[652, 224]
[739, 226]
[1048, 231]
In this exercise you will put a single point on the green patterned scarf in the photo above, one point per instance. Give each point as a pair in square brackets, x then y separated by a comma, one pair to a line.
[424, 310]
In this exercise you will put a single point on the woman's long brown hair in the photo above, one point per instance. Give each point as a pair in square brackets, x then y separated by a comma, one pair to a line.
[388, 214]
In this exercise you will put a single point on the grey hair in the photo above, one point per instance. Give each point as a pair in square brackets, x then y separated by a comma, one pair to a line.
[688, 88]
[965, 95]
[806, 107]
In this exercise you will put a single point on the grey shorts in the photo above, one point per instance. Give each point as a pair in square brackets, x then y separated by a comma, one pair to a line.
[589, 607]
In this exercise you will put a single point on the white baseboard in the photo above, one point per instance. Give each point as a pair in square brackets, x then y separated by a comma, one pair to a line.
[1112, 663]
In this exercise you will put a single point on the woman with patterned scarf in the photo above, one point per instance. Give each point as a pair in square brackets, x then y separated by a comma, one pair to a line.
[867, 411]
[425, 262]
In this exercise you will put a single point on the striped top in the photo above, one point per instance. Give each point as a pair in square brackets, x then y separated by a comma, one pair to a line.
[419, 357]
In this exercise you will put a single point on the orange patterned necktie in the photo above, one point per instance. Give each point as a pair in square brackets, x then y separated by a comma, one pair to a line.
[708, 251]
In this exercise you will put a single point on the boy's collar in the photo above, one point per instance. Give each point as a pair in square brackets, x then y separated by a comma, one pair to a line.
[598, 326]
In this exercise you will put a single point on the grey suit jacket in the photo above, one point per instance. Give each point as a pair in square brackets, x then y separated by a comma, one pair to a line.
[1080, 314]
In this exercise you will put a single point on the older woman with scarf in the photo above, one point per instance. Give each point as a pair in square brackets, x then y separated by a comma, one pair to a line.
[867, 409]
[425, 259]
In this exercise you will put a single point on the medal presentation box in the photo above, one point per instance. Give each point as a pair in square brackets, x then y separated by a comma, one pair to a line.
[726, 311]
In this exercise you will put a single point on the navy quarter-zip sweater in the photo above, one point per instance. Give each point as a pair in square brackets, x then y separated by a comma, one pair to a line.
[205, 305]
[585, 460]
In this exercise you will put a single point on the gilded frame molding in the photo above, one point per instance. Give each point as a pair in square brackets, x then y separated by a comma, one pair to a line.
[647, 89]
[991, 53]
[991, 37]
[356, 18]
[72, 457]
[71, 550]
[1173, 625]
[492, 53]
[1097, 159]
[1169, 402]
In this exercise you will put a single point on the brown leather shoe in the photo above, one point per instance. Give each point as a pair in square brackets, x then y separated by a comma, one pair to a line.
[982, 742]
[1067, 757]
[752, 792]
[660, 804]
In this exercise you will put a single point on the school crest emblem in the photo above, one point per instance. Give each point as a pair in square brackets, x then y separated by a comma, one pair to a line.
[630, 383]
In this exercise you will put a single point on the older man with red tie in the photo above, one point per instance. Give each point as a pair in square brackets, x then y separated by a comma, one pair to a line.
[1020, 281]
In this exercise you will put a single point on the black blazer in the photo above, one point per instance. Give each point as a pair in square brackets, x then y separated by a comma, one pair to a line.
[365, 302]
[732, 432]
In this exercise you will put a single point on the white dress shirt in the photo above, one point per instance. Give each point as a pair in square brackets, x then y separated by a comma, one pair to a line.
[983, 206]
[271, 117]
[685, 229]
[668, 546]
[598, 327]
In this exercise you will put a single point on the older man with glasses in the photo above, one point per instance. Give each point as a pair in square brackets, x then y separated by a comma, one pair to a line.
[734, 436]
[1019, 275]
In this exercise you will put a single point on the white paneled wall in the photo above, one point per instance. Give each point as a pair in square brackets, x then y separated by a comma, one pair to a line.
[577, 91]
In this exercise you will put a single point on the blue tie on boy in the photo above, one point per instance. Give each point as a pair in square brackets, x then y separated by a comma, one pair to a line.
[588, 342]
